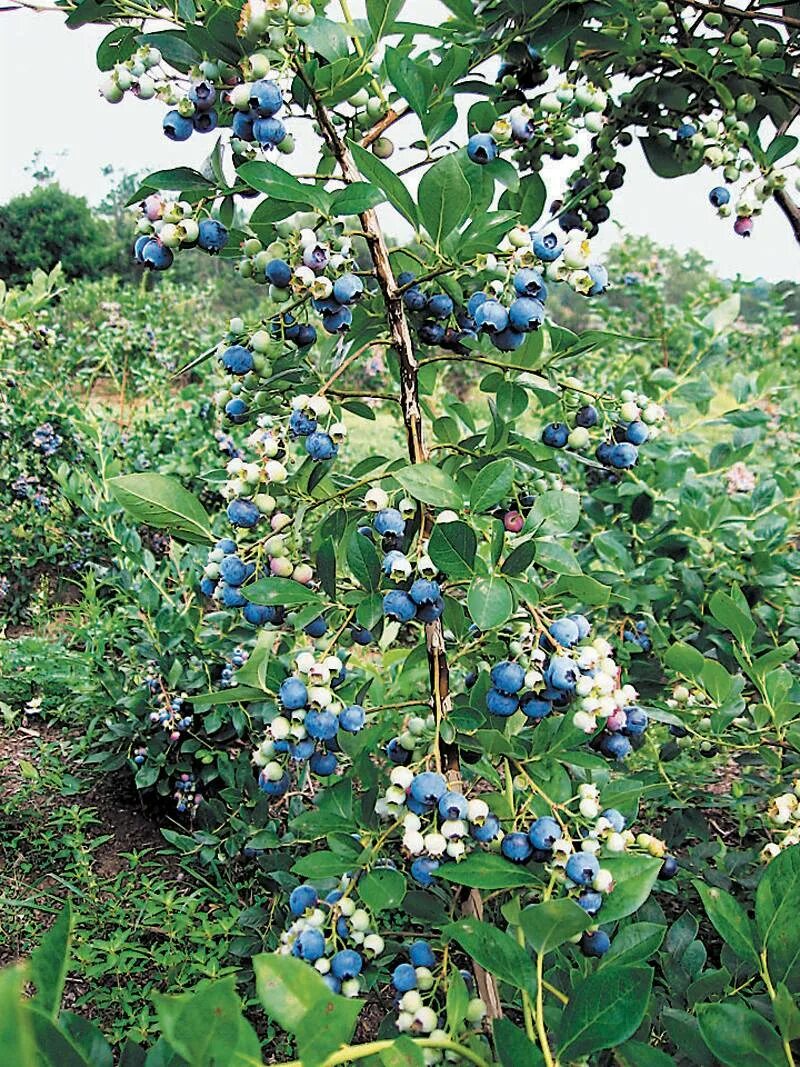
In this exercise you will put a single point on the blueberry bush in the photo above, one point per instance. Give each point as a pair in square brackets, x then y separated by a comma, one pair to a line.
[453, 624]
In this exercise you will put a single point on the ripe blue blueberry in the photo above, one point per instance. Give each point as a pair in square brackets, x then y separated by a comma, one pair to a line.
[157, 256]
[686, 131]
[428, 787]
[421, 954]
[719, 196]
[565, 632]
[265, 97]
[207, 586]
[176, 127]
[212, 236]
[547, 246]
[243, 513]
[323, 763]
[405, 277]
[431, 333]
[555, 435]
[398, 605]
[352, 718]
[522, 128]
[332, 982]
[491, 316]
[582, 868]
[338, 321]
[321, 724]
[233, 570]
[501, 704]
[237, 360]
[278, 273]
[599, 275]
[623, 455]
[615, 746]
[508, 677]
[138, 246]
[424, 591]
[591, 901]
[482, 148]
[362, 636]
[562, 674]
[453, 805]
[544, 833]
[321, 446]
[269, 131]
[274, 789]
[316, 628]
[595, 944]
[431, 611]
[404, 978]
[302, 898]
[205, 121]
[488, 831]
[508, 340]
[300, 424]
[616, 818]
[389, 521]
[242, 126]
[310, 944]
[231, 596]
[439, 306]
[414, 299]
[534, 707]
[423, 870]
[306, 335]
[587, 416]
[635, 720]
[202, 94]
[516, 847]
[637, 432]
[584, 627]
[669, 868]
[346, 964]
[475, 302]
[293, 694]
[529, 282]
[236, 410]
[348, 289]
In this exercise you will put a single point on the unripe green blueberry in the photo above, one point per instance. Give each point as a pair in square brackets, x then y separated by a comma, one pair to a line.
[713, 19]
[359, 99]
[145, 88]
[258, 65]
[363, 120]
[738, 38]
[260, 260]
[731, 173]
[209, 69]
[375, 107]
[382, 147]
[287, 145]
[745, 103]
[476, 1010]
[579, 438]
[170, 235]
[245, 268]
[277, 37]
[110, 90]
[767, 47]
[301, 14]
[265, 503]
[186, 107]
[240, 97]
[260, 341]
[189, 231]
[251, 246]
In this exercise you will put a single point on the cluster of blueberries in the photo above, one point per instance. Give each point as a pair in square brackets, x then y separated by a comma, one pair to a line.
[506, 327]
[187, 798]
[28, 487]
[636, 424]
[169, 710]
[638, 636]
[165, 226]
[412, 981]
[46, 440]
[224, 575]
[319, 925]
[195, 113]
[237, 659]
[308, 727]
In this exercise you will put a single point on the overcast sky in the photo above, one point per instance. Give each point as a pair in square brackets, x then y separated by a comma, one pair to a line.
[50, 101]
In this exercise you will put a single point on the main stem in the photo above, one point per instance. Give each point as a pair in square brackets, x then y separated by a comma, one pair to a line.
[401, 341]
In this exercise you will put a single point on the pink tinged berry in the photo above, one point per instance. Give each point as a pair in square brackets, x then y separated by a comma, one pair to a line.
[302, 573]
[281, 567]
[616, 720]
[513, 521]
[153, 207]
[280, 520]
[175, 736]
[743, 226]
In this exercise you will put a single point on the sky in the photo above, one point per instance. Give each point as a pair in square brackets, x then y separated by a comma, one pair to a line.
[79, 133]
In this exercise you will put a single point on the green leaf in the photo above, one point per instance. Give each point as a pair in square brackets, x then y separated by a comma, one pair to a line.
[162, 502]
[17, 1044]
[444, 198]
[555, 557]
[634, 878]
[202, 1025]
[356, 198]
[402, 1053]
[116, 47]
[635, 944]
[604, 1010]
[684, 659]
[492, 484]
[513, 1047]
[495, 951]
[382, 15]
[405, 76]
[730, 920]
[777, 908]
[385, 178]
[382, 889]
[429, 484]
[490, 602]
[53, 1046]
[518, 561]
[273, 180]
[452, 548]
[528, 200]
[787, 1013]
[734, 617]
[724, 314]
[665, 160]
[555, 511]
[87, 1038]
[50, 961]
[285, 592]
[637, 1054]
[551, 923]
[363, 561]
[484, 870]
[738, 1035]
[457, 999]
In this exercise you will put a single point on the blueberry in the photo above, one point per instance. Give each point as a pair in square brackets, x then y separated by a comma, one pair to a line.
[414, 299]
[265, 97]
[348, 289]
[439, 306]
[508, 340]
[269, 131]
[582, 868]
[243, 513]
[423, 870]
[202, 94]
[321, 724]
[176, 127]
[584, 627]
[616, 818]
[590, 901]
[346, 964]
[316, 628]
[332, 982]
[488, 831]
[237, 410]
[516, 847]
[362, 636]
[719, 196]
[565, 632]
[274, 789]
[475, 302]
[595, 944]
[562, 674]
[212, 236]
[547, 246]
[306, 335]
[544, 833]
[310, 945]
[424, 591]
[321, 446]
[302, 898]
[508, 677]
[529, 282]
[398, 605]
[207, 586]
[637, 432]
[587, 416]
[623, 455]
[301, 425]
[615, 746]
[404, 978]
[491, 316]
[138, 247]
[352, 718]
[205, 121]
[453, 805]
[157, 256]
[323, 763]
[278, 273]
[432, 611]
[555, 435]
[482, 148]
[405, 277]
[231, 596]
[501, 704]
[686, 131]
[293, 694]
[635, 721]
[603, 453]
[427, 788]
[535, 708]
[226, 545]
[237, 360]
[669, 868]
[389, 521]
[242, 126]
[599, 275]
[233, 570]
[337, 321]
[432, 333]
